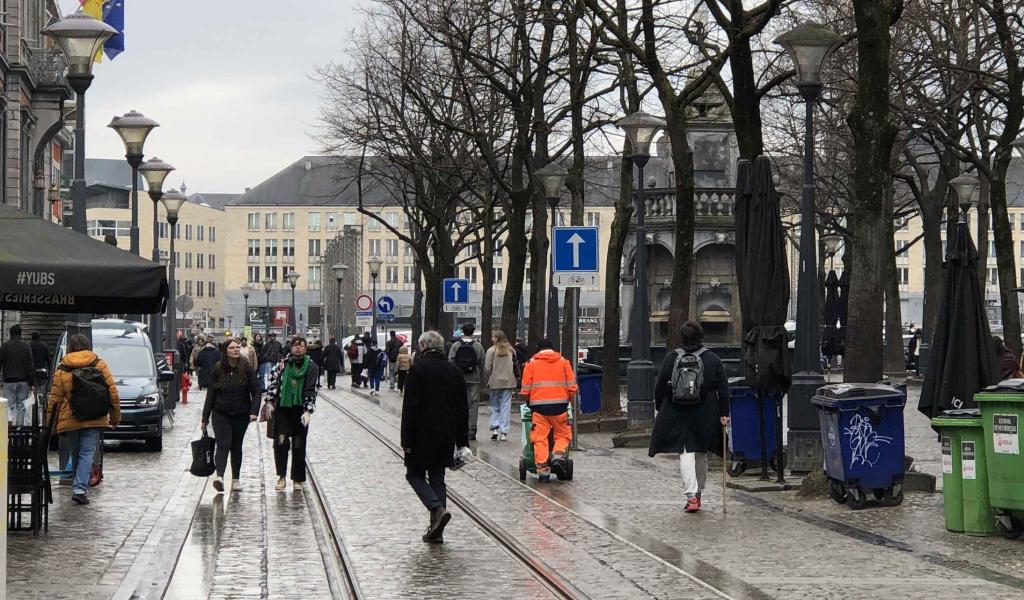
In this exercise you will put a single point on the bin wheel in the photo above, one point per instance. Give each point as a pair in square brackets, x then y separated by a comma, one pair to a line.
[568, 470]
[893, 496]
[737, 467]
[837, 492]
[856, 499]
[878, 493]
[1015, 530]
[522, 470]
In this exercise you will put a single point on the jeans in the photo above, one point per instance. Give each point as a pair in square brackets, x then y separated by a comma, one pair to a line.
[264, 373]
[357, 374]
[375, 381]
[332, 379]
[473, 402]
[82, 443]
[229, 431]
[693, 466]
[289, 433]
[501, 405]
[392, 374]
[17, 393]
[428, 483]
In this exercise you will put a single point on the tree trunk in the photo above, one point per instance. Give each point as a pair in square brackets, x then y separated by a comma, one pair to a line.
[682, 157]
[613, 317]
[746, 109]
[982, 228]
[538, 272]
[1005, 260]
[487, 275]
[516, 249]
[417, 305]
[895, 361]
[873, 134]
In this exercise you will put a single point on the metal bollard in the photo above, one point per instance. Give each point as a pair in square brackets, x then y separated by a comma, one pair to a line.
[573, 445]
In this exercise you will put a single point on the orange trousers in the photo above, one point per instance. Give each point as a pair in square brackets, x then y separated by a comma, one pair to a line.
[542, 426]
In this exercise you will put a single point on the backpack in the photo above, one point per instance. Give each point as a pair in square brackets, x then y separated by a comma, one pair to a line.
[687, 377]
[353, 352]
[382, 360]
[465, 357]
[90, 396]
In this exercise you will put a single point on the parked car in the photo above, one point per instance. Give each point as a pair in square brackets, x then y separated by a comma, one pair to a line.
[125, 347]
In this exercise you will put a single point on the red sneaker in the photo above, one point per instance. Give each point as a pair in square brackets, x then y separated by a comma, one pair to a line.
[692, 505]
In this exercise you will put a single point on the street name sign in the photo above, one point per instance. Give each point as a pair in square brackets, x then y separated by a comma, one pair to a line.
[455, 295]
[364, 318]
[386, 317]
[576, 254]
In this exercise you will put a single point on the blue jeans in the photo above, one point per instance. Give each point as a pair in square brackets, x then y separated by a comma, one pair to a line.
[17, 393]
[82, 443]
[375, 382]
[501, 405]
[264, 372]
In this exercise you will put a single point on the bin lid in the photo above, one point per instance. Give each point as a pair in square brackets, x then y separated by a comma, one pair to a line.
[962, 413]
[585, 368]
[1006, 385]
[853, 394]
[960, 417]
[737, 382]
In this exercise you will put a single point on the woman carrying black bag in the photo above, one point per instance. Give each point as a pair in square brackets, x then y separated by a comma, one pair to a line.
[233, 400]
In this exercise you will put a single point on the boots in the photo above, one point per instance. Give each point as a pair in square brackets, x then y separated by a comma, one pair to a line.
[439, 518]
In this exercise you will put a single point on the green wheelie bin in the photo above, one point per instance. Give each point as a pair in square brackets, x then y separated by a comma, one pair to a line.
[1002, 409]
[949, 429]
[968, 463]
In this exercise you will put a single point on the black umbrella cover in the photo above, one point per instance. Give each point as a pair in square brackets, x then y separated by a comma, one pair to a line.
[830, 342]
[962, 360]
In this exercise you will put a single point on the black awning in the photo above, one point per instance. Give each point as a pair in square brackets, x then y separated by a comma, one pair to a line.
[48, 268]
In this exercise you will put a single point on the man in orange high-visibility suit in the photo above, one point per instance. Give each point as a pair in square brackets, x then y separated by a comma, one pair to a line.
[549, 383]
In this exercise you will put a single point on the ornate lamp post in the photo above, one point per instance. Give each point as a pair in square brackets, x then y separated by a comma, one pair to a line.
[246, 290]
[172, 202]
[964, 185]
[155, 171]
[551, 177]
[641, 128]
[268, 285]
[293, 278]
[339, 276]
[374, 264]
[134, 128]
[808, 46]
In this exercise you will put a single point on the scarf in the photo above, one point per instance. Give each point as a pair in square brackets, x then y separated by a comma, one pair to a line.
[292, 382]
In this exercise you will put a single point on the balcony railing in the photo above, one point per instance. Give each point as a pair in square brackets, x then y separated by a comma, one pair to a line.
[46, 66]
[660, 203]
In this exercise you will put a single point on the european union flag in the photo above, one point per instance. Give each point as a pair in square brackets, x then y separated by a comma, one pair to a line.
[113, 15]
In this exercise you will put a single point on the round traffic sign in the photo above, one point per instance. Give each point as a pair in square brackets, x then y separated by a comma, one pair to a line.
[364, 302]
[385, 304]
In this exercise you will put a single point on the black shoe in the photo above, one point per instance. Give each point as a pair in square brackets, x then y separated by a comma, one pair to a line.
[494, 434]
[438, 520]
[80, 499]
[558, 466]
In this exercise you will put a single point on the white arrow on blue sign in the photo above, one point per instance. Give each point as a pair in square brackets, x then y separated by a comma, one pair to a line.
[385, 304]
[456, 291]
[576, 249]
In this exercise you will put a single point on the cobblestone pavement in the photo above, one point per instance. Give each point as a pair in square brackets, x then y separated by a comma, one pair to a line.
[782, 546]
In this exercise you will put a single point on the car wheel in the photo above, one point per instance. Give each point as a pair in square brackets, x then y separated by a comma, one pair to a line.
[155, 444]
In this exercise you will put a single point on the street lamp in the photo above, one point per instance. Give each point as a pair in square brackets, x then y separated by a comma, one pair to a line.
[552, 177]
[246, 290]
[293, 278]
[374, 264]
[268, 285]
[134, 128]
[964, 186]
[339, 276]
[640, 128]
[172, 202]
[80, 36]
[808, 46]
[832, 243]
[154, 171]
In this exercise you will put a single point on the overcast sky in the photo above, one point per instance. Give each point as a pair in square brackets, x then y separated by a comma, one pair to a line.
[228, 81]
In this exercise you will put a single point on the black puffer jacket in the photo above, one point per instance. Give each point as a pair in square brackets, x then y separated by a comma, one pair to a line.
[206, 360]
[435, 415]
[234, 390]
[697, 427]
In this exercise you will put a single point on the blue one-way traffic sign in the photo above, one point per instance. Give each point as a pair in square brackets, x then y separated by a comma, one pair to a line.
[455, 295]
[576, 249]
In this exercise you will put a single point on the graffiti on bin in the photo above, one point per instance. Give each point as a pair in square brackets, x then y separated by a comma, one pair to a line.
[865, 444]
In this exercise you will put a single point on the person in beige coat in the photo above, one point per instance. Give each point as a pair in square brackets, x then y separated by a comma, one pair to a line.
[500, 378]
[83, 434]
[247, 352]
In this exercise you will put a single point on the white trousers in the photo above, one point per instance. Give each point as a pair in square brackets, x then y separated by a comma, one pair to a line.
[694, 468]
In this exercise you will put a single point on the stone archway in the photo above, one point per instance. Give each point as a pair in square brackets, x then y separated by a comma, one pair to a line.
[716, 303]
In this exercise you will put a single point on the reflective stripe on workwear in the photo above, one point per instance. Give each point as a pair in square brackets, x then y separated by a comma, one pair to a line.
[548, 379]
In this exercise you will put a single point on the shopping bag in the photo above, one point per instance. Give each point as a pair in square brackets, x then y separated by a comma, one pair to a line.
[202, 456]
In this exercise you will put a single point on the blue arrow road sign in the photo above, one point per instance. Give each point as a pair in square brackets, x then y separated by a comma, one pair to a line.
[456, 291]
[576, 249]
[385, 304]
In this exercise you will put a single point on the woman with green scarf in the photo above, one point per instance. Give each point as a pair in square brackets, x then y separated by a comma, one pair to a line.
[291, 399]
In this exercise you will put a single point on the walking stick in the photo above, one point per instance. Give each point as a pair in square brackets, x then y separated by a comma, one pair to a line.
[725, 453]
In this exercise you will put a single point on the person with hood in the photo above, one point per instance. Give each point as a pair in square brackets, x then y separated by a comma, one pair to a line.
[522, 356]
[356, 354]
[404, 363]
[549, 385]
[691, 396]
[468, 355]
[184, 346]
[233, 401]
[316, 354]
[199, 344]
[206, 359]
[291, 400]
[500, 377]
[1009, 364]
[391, 350]
[19, 373]
[257, 345]
[333, 362]
[248, 353]
[433, 425]
[375, 362]
[80, 391]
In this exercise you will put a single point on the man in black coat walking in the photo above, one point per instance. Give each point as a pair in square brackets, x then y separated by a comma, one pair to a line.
[434, 423]
[691, 429]
[332, 362]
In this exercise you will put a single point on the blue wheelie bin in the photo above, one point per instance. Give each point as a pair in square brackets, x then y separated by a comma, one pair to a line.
[863, 442]
[745, 427]
[588, 378]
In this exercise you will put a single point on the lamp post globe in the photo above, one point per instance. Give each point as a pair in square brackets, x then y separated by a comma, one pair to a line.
[640, 127]
[551, 177]
[293, 278]
[964, 185]
[80, 36]
[172, 202]
[374, 264]
[155, 172]
[808, 45]
[246, 290]
[133, 128]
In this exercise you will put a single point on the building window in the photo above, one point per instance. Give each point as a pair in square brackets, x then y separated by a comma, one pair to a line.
[391, 275]
[270, 273]
[199, 289]
[392, 248]
[288, 248]
[177, 231]
[350, 219]
[164, 229]
[497, 274]
[375, 248]
[314, 222]
[470, 274]
[254, 248]
[499, 245]
[200, 231]
[1012, 218]
[313, 277]
[409, 274]
[212, 261]
[993, 276]
[105, 227]
[271, 222]
[188, 232]
[199, 260]
[270, 248]
[211, 289]
[188, 287]
[254, 275]
[903, 275]
[314, 248]
[188, 260]
[374, 225]
[593, 219]
[408, 252]
[392, 219]
[288, 221]
[991, 249]
[213, 233]
[177, 262]
[332, 221]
